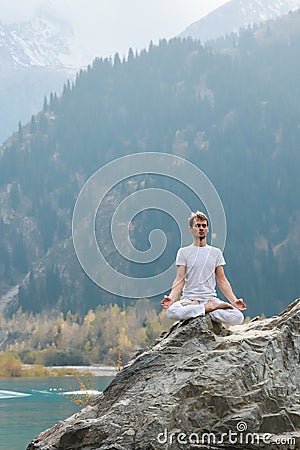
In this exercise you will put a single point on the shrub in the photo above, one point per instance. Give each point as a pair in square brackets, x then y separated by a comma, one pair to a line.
[37, 370]
[63, 357]
[27, 356]
[10, 366]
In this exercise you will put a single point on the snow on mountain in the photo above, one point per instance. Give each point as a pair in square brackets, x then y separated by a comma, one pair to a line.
[236, 14]
[39, 42]
[44, 41]
[36, 57]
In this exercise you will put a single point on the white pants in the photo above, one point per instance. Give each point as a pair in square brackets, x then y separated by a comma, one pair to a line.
[227, 316]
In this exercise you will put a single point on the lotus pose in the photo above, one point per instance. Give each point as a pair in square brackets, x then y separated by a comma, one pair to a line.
[199, 266]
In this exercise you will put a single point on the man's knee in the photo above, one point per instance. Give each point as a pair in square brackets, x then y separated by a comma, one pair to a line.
[236, 317]
[180, 312]
[173, 311]
[228, 316]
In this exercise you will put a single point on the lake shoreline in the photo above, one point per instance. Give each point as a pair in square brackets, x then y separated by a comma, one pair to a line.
[20, 370]
[95, 369]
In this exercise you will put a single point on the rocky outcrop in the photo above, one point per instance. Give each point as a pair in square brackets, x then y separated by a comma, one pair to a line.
[200, 386]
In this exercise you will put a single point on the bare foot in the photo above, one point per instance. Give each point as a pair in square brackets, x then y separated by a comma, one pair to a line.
[212, 305]
[193, 302]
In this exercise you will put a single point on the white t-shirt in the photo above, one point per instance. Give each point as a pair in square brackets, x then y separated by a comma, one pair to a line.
[200, 263]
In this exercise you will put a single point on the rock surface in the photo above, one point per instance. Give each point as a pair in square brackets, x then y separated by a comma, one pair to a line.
[200, 386]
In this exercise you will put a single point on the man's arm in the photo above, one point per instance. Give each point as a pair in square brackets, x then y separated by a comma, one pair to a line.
[226, 288]
[177, 287]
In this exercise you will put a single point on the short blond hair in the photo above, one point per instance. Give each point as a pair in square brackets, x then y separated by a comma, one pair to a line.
[197, 215]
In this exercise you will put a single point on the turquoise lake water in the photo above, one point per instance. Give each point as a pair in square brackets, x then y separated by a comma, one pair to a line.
[31, 405]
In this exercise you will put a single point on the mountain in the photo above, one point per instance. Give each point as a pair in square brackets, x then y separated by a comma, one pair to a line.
[36, 58]
[237, 14]
[236, 118]
[41, 42]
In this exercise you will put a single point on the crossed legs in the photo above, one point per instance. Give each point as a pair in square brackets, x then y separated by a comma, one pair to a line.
[219, 311]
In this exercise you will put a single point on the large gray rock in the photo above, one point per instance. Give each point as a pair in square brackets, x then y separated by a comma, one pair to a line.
[199, 386]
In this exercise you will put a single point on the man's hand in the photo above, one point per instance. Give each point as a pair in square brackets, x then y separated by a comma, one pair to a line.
[166, 302]
[239, 304]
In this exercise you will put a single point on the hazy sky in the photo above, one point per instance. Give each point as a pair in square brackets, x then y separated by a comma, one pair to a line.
[116, 25]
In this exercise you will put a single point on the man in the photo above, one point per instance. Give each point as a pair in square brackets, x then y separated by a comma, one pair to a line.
[198, 267]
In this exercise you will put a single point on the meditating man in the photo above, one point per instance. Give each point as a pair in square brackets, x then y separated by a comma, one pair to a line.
[198, 267]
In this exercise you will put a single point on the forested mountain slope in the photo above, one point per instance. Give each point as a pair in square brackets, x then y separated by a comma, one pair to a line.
[235, 115]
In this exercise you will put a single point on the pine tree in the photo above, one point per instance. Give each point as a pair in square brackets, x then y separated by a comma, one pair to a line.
[117, 60]
[130, 55]
[32, 125]
[45, 105]
[20, 133]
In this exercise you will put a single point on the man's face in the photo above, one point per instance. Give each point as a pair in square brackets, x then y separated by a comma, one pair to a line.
[199, 229]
